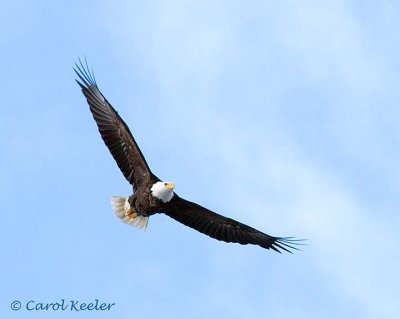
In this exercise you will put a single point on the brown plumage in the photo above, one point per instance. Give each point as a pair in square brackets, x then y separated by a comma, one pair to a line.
[150, 195]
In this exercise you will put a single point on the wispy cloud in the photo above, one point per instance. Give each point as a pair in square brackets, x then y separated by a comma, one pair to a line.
[326, 43]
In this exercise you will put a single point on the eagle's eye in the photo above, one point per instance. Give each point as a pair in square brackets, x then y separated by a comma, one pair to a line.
[165, 184]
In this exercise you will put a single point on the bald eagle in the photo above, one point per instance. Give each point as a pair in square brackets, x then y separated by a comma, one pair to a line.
[152, 195]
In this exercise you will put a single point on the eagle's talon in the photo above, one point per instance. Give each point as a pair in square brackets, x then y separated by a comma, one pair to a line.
[131, 213]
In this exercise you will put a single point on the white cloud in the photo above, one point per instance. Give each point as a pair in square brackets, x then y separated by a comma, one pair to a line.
[187, 44]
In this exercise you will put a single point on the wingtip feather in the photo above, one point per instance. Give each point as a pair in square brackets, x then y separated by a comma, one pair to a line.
[85, 74]
[288, 244]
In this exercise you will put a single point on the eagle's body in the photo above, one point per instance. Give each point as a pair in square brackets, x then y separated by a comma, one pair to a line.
[143, 202]
[150, 194]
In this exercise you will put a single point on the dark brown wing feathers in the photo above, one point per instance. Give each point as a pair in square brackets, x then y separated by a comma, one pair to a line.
[223, 228]
[113, 130]
[132, 163]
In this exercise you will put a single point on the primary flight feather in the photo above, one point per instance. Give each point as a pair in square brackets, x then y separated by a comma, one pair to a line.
[150, 194]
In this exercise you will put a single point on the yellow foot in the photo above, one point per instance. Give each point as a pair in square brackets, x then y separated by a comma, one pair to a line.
[130, 212]
[127, 214]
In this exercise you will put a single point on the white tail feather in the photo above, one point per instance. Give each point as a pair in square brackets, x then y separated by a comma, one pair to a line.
[121, 208]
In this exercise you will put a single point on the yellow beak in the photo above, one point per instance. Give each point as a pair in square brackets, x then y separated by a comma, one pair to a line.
[170, 186]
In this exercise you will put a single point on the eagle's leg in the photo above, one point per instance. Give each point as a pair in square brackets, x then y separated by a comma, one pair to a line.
[127, 213]
[130, 212]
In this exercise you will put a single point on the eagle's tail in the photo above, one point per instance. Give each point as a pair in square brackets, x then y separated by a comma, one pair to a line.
[127, 214]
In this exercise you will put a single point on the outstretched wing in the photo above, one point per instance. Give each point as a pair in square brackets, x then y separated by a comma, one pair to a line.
[224, 228]
[113, 130]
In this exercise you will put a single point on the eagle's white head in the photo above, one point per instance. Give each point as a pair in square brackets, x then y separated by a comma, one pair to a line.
[164, 191]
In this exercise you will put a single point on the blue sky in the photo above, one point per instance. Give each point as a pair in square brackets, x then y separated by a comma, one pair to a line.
[283, 116]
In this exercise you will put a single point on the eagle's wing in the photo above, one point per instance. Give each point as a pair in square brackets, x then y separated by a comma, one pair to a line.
[113, 130]
[224, 228]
